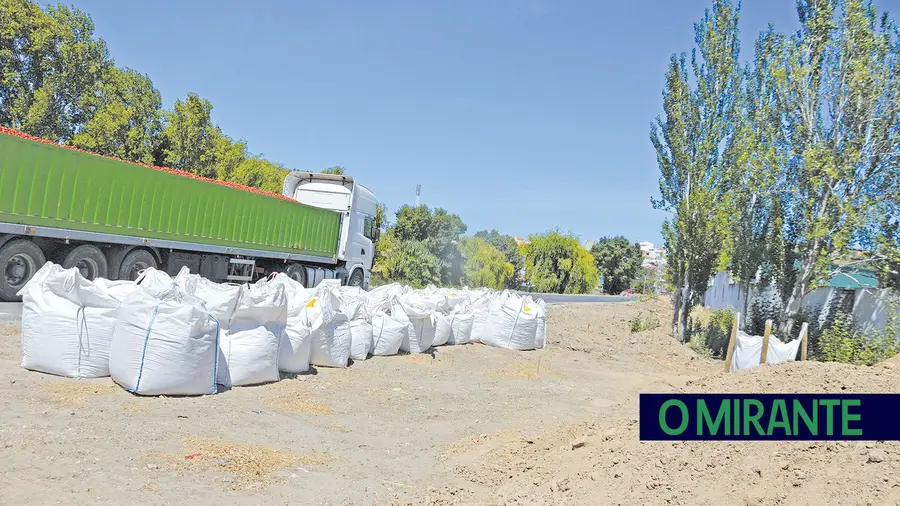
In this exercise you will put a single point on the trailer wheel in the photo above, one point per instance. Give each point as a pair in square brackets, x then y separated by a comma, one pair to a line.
[135, 262]
[90, 261]
[356, 279]
[19, 259]
[297, 272]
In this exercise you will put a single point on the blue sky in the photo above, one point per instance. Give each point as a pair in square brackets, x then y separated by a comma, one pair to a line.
[519, 115]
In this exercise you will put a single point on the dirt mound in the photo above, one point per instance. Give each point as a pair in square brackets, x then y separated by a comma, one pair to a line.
[603, 462]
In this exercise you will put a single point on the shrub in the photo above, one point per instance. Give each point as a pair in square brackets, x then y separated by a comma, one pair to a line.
[842, 342]
[711, 338]
[643, 322]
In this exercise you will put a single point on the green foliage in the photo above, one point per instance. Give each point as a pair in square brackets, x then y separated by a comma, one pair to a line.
[841, 342]
[484, 265]
[432, 234]
[407, 261]
[643, 322]
[555, 263]
[125, 119]
[510, 249]
[260, 173]
[191, 136]
[438, 231]
[57, 81]
[710, 338]
[694, 147]
[338, 170]
[645, 282]
[618, 261]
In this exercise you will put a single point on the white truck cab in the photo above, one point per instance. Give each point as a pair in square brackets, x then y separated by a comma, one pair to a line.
[357, 205]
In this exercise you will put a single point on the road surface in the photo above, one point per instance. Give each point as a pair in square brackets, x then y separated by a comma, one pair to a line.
[555, 298]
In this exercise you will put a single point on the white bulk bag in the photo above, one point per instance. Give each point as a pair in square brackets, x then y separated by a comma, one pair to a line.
[167, 346]
[329, 329]
[512, 323]
[480, 304]
[297, 295]
[441, 329]
[67, 324]
[360, 339]
[541, 339]
[460, 328]
[253, 335]
[117, 289]
[379, 298]
[388, 334]
[220, 298]
[748, 351]
[420, 336]
[156, 282]
[353, 302]
[293, 355]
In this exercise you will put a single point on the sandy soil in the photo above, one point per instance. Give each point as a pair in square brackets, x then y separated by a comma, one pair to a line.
[465, 425]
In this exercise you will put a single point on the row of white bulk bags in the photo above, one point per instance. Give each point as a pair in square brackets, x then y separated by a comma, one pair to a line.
[67, 324]
[167, 345]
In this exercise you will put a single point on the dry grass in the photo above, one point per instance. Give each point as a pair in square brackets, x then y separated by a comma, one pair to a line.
[251, 464]
[291, 397]
[73, 392]
[522, 370]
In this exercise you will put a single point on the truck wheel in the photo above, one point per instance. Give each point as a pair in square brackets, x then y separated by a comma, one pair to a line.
[20, 259]
[90, 261]
[134, 263]
[297, 272]
[356, 279]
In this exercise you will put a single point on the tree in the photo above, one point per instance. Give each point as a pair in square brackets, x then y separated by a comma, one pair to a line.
[691, 146]
[191, 136]
[618, 261]
[510, 248]
[334, 170]
[229, 155]
[125, 118]
[484, 264]
[838, 92]
[408, 261]
[50, 64]
[260, 173]
[753, 169]
[555, 263]
[439, 232]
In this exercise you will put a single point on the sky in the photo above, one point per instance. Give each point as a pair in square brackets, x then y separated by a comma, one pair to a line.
[517, 115]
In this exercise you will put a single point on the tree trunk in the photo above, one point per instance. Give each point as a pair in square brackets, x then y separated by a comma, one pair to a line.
[685, 306]
[801, 288]
[676, 309]
[745, 289]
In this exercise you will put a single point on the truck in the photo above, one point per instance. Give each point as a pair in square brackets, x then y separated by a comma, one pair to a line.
[112, 218]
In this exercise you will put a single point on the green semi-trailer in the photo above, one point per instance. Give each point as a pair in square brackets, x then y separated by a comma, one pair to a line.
[112, 219]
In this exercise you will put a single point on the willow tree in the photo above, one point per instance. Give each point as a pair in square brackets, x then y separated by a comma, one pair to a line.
[692, 143]
[838, 94]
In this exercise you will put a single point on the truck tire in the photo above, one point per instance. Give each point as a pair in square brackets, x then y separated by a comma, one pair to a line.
[19, 259]
[135, 262]
[297, 272]
[89, 260]
[356, 279]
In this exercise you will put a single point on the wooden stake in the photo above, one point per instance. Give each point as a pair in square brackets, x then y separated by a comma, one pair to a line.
[804, 340]
[765, 344]
[731, 342]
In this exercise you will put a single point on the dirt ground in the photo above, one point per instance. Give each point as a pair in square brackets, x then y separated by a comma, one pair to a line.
[464, 425]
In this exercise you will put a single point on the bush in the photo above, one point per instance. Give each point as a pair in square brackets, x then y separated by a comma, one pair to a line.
[711, 336]
[643, 322]
[842, 342]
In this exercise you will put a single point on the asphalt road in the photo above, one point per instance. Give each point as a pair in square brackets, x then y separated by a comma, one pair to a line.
[555, 298]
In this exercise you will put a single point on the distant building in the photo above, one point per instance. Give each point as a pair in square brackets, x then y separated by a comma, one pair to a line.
[520, 240]
[653, 257]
